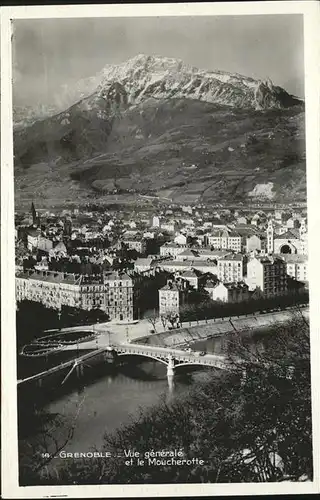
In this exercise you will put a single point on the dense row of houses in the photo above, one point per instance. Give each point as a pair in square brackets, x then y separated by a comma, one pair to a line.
[226, 260]
[111, 292]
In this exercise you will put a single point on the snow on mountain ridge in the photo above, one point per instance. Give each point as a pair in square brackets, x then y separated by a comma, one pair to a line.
[146, 70]
[145, 76]
[160, 77]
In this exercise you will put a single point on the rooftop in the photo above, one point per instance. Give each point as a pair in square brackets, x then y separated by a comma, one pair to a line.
[288, 235]
[291, 258]
[172, 286]
[144, 261]
[115, 276]
[236, 256]
[170, 244]
[50, 276]
[188, 263]
[189, 273]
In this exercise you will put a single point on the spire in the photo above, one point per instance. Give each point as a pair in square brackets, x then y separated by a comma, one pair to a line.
[34, 214]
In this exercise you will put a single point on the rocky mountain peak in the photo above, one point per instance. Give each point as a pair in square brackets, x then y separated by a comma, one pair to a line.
[152, 76]
[145, 76]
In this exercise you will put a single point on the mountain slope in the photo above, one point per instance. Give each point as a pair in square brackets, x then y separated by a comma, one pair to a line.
[183, 149]
[156, 126]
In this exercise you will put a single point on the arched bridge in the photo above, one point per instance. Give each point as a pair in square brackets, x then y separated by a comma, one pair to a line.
[172, 358]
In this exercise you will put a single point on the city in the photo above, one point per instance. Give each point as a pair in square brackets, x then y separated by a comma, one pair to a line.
[121, 262]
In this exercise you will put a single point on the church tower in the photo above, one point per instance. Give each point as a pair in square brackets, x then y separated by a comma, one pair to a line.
[34, 215]
[303, 228]
[270, 237]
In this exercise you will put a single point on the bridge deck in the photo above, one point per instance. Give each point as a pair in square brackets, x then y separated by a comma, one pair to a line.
[65, 364]
[157, 353]
[193, 357]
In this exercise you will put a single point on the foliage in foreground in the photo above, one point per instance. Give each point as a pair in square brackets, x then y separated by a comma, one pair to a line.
[250, 428]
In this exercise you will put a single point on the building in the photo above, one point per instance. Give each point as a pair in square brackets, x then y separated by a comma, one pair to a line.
[33, 236]
[270, 237]
[137, 244]
[288, 242]
[52, 289]
[256, 243]
[191, 276]
[67, 227]
[171, 297]
[203, 266]
[296, 266]
[170, 249]
[255, 220]
[187, 209]
[143, 264]
[59, 250]
[278, 215]
[234, 241]
[35, 216]
[44, 244]
[210, 284]
[169, 227]
[229, 292]
[292, 223]
[194, 254]
[155, 221]
[42, 265]
[231, 268]
[268, 274]
[180, 239]
[223, 240]
[242, 220]
[293, 241]
[112, 292]
[118, 296]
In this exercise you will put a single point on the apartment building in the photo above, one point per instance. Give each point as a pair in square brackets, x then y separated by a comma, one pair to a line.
[118, 296]
[171, 297]
[223, 240]
[269, 274]
[170, 249]
[111, 292]
[228, 292]
[137, 244]
[296, 266]
[52, 289]
[256, 242]
[231, 268]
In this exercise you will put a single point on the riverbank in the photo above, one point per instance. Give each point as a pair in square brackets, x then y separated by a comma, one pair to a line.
[218, 328]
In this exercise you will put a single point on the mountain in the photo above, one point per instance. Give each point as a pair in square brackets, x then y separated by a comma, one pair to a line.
[162, 77]
[156, 126]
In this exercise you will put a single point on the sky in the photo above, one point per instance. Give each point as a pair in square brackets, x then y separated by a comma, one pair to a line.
[48, 53]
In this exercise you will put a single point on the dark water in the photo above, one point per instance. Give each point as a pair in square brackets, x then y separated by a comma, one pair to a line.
[115, 399]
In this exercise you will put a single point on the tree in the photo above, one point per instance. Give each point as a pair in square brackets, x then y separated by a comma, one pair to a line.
[152, 318]
[164, 321]
[50, 434]
[172, 317]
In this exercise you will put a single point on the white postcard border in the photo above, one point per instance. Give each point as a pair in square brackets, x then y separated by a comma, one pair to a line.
[310, 10]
